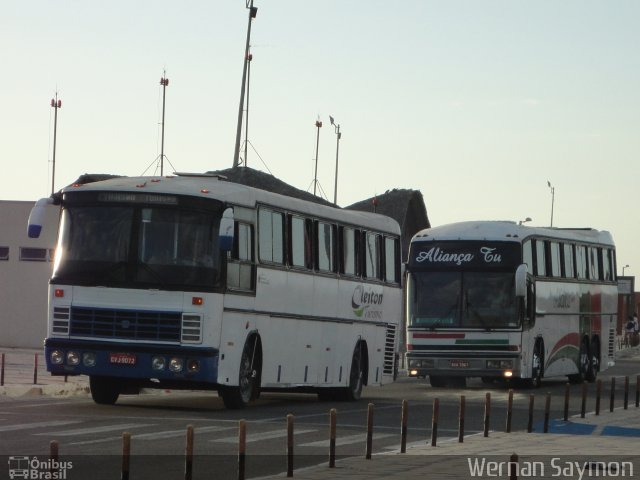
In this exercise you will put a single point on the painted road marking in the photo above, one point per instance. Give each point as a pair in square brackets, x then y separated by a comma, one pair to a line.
[92, 430]
[361, 437]
[260, 436]
[26, 426]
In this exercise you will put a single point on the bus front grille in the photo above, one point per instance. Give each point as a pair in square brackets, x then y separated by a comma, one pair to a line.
[125, 324]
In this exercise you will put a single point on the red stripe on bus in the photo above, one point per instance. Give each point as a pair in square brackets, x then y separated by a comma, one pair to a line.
[438, 335]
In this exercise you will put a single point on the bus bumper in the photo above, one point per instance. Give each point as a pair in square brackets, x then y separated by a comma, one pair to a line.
[457, 366]
[133, 361]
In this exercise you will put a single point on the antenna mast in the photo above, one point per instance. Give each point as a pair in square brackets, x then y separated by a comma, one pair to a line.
[315, 176]
[56, 104]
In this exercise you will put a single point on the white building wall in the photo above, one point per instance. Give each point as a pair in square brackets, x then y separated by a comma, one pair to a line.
[24, 283]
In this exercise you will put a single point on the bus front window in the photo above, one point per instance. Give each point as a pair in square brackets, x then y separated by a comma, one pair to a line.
[489, 300]
[434, 299]
[462, 300]
[139, 247]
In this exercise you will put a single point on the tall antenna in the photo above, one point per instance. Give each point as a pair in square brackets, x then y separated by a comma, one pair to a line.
[164, 81]
[56, 104]
[253, 11]
[338, 137]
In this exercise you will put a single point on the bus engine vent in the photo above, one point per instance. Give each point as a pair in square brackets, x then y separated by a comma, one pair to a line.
[191, 328]
[60, 324]
[389, 350]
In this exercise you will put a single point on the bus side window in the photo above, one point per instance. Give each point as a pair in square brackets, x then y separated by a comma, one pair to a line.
[594, 270]
[325, 240]
[300, 243]
[606, 265]
[568, 261]
[271, 236]
[372, 256]
[581, 262]
[540, 261]
[391, 260]
[527, 256]
[556, 266]
[240, 267]
[347, 253]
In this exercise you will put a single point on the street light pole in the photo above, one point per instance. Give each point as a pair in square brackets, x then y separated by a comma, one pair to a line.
[315, 176]
[626, 266]
[56, 104]
[253, 11]
[338, 136]
[553, 195]
[164, 81]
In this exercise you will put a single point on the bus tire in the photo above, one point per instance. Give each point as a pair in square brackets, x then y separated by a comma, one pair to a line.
[356, 375]
[594, 360]
[437, 381]
[584, 363]
[104, 390]
[537, 366]
[237, 397]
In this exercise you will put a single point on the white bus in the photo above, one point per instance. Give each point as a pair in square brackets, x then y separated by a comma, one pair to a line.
[194, 282]
[500, 300]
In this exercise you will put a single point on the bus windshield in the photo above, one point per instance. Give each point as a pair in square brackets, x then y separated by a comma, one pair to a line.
[462, 300]
[133, 246]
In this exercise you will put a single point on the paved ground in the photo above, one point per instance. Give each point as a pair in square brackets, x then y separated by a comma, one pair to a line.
[604, 445]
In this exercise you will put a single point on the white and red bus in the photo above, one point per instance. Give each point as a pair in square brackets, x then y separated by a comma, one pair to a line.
[194, 282]
[500, 300]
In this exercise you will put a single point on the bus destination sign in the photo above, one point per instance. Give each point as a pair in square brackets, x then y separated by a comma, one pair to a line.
[463, 255]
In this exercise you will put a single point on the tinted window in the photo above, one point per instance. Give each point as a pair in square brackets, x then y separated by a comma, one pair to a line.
[29, 254]
[4, 253]
[594, 266]
[527, 256]
[300, 243]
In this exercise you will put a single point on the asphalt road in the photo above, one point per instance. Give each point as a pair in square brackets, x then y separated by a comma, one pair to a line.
[90, 435]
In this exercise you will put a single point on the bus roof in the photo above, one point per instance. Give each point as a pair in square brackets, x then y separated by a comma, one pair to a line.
[510, 232]
[217, 187]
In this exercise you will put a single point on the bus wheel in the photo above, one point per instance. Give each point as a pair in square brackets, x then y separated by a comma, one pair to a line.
[594, 361]
[537, 366]
[437, 381]
[238, 397]
[104, 390]
[356, 375]
[584, 364]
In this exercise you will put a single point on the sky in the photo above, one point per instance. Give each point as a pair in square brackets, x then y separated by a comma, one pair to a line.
[478, 104]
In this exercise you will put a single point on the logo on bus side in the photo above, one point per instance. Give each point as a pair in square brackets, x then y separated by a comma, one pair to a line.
[436, 255]
[367, 303]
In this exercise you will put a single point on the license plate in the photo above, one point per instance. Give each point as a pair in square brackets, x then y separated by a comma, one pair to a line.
[459, 364]
[122, 358]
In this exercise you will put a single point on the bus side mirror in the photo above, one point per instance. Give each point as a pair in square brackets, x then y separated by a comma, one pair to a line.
[36, 217]
[521, 281]
[225, 238]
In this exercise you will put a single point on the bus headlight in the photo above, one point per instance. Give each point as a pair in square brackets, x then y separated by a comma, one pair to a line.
[193, 366]
[56, 357]
[73, 358]
[176, 365]
[89, 359]
[157, 363]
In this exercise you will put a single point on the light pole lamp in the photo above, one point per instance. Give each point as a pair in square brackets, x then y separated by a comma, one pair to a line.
[338, 136]
[626, 266]
[528, 219]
